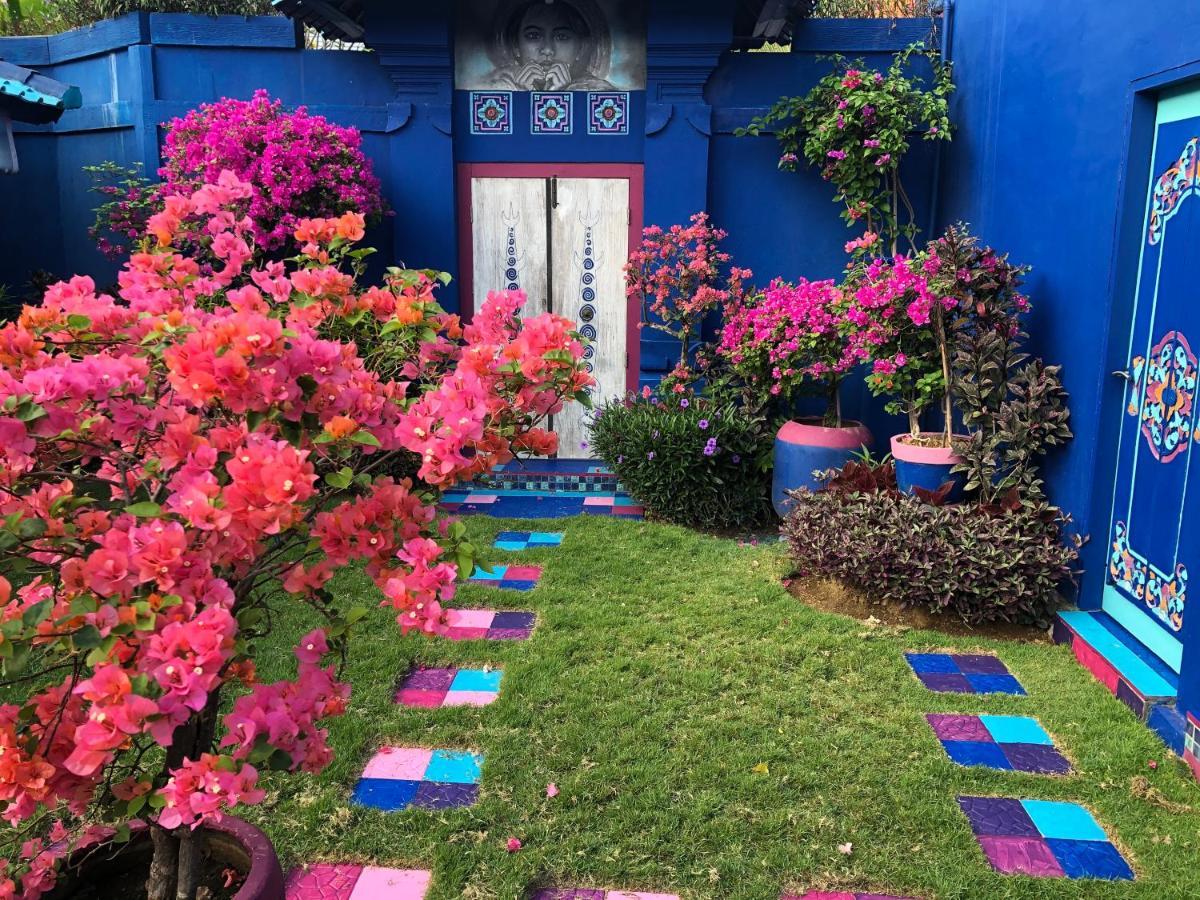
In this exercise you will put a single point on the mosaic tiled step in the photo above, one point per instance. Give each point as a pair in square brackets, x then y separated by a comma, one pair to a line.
[509, 578]
[1011, 743]
[528, 540]
[963, 673]
[841, 895]
[1131, 673]
[326, 881]
[428, 687]
[489, 624]
[399, 777]
[1191, 744]
[598, 894]
[1043, 838]
[539, 505]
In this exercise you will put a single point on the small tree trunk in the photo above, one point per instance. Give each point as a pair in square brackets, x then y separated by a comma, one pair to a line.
[833, 406]
[943, 351]
[914, 422]
[161, 883]
[191, 861]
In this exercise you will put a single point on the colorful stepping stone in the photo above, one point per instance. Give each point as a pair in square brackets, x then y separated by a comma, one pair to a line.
[598, 894]
[1043, 838]
[963, 673]
[1011, 743]
[509, 578]
[399, 777]
[429, 688]
[325, 881]
[527, 540]
[488, 624]
[841, 895]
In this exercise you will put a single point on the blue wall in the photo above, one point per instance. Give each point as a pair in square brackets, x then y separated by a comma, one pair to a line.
[1050, 109]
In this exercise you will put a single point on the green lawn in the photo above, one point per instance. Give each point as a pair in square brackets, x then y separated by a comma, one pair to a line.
[666, 666]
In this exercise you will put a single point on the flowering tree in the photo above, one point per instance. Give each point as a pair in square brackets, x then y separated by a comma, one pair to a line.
[790, 334]
[168, 458]
[676, 276]
[298, 166]
[854, 125]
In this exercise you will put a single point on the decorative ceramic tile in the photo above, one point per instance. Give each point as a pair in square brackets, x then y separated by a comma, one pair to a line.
[841, 895]
[963, 673]
[608, 112]
[598, 894]
[510, 578]
[396, 778]
[491, 112]
[325, 881]
[550, 113]
[1012, 743]
[1043, 838]
[488, 624]
[528, 540]
[424, 687]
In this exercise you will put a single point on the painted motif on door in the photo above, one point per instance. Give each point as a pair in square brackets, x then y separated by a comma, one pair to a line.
[564, 241]
[1152, 534]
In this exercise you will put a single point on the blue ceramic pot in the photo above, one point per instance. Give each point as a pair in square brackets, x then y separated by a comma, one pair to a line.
[926, 467]
[802, 448]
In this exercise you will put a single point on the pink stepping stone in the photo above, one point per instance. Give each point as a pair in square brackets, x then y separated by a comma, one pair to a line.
[403, 763]
[599, 501]
[841, 895]
[598, 894]
[326, 881]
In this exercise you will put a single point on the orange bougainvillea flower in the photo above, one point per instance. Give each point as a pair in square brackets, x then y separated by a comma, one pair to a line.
[341, 426]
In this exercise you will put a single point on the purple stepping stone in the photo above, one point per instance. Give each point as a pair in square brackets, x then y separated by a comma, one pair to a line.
[513, 619]
[323, 881]
[444, 795]
[1037, 758]
[998, 816]
[1021, 856]
[958, 728]
[568, 894]
[953, 684]
[979, 664]
[423, 679]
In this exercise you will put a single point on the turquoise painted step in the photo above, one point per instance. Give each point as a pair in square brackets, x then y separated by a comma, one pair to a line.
[1149, 683]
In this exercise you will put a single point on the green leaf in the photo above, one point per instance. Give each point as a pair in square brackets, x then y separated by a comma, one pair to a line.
[78, 322]
[340, 479]
[37, 613]
[144, 510]
[365, 437]
[87, 637]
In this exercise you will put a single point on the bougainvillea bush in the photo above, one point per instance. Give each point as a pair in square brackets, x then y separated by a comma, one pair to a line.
[680, 277]
[299, 166]
[855, 126]
[688, 459]
[791, 337]
[998, 562]
[172, 457]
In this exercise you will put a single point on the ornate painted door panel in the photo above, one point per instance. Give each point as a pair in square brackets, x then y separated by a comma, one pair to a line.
[1153, 537]
[590, 227]
[508, 235]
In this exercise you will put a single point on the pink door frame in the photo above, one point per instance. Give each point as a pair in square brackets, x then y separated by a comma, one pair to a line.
[633, 173]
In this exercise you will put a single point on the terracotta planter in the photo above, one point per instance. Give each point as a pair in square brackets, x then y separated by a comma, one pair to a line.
[806, 446]
[926, 467]
[233, 843]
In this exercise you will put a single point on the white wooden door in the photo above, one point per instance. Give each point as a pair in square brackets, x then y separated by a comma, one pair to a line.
[508, 235]
[590, 245]
[564, 241]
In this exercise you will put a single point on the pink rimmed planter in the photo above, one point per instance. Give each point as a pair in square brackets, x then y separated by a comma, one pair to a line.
[927, 467]
[803, 447]
[232, 843]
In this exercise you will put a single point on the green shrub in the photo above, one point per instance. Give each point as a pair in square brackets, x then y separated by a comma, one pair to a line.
[982, 563]
[688, 460]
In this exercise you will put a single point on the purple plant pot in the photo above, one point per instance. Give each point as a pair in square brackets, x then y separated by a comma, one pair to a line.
[233, 842]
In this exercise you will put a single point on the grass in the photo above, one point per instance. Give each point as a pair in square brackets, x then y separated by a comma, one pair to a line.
[666, 666]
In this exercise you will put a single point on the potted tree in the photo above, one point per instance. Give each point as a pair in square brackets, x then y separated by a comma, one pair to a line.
[788, 339]
[172, 457]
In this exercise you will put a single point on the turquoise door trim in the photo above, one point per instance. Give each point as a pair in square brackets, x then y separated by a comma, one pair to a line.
[1149, 635]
